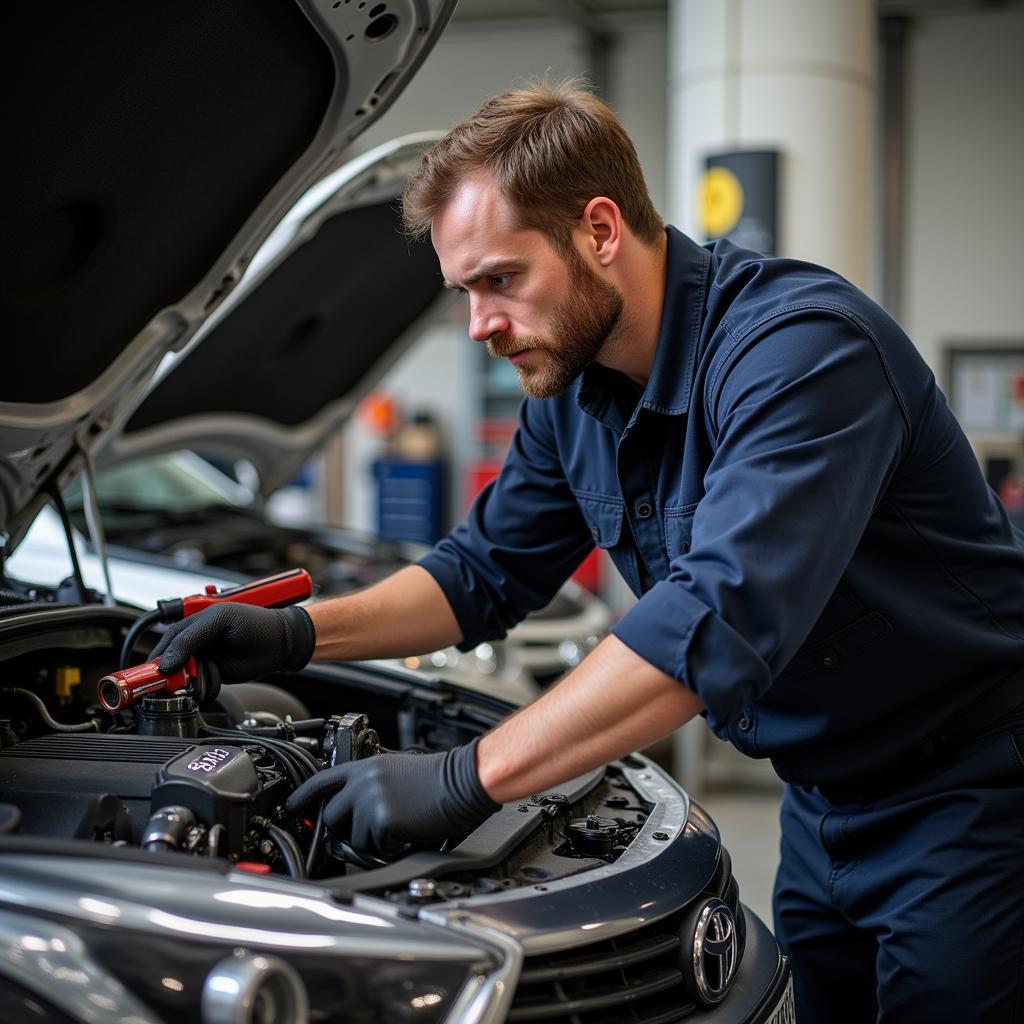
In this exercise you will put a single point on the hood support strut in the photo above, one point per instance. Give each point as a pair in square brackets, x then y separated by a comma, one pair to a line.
[95, 523]
[82, 596]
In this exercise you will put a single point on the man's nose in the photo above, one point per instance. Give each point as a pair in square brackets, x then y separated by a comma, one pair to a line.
[486, 321]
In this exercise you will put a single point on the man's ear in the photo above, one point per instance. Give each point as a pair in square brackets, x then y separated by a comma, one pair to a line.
[602, 225]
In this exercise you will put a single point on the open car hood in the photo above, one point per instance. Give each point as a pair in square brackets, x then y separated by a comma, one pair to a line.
[151, 150]
[329, 301]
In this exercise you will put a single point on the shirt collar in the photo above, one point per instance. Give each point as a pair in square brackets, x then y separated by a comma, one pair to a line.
[668, 389]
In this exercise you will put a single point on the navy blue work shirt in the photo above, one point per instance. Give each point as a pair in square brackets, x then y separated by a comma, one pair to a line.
[815, 550]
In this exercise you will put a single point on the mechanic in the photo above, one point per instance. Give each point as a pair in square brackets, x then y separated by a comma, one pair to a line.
[822, 571]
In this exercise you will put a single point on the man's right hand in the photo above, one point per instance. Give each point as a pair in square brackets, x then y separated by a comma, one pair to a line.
[244, 641]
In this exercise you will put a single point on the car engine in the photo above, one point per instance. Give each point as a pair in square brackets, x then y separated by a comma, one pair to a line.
[171, 773]
[196, 779]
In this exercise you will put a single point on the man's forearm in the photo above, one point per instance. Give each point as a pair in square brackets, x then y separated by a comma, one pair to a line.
[405, 614]
[614, 702]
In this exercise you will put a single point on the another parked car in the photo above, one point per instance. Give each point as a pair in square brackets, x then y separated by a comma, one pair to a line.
[178, 505]
[139, 580]
[148, 871]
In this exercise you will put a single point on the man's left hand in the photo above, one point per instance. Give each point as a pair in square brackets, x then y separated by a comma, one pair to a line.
[381, 803]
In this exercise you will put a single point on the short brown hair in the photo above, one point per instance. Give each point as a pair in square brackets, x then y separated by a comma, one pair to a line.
[550, 149]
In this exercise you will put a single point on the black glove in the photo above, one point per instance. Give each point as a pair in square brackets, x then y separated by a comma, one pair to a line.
[244, 641]
[383, 802]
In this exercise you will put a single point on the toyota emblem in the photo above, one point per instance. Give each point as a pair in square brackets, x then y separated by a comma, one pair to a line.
[715, 950]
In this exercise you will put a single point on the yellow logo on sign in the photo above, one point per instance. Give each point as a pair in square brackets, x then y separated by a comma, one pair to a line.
[721, 201]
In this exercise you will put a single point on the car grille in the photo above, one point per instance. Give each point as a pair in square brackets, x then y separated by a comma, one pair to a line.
[785, 1011]
[633, 978]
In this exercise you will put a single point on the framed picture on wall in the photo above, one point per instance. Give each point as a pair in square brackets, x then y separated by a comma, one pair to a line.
[985, 387]
[984, 384]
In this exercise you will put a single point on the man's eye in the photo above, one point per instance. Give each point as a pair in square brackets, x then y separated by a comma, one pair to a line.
[501, 280]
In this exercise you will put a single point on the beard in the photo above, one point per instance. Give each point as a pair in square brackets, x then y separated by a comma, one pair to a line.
[580, 326]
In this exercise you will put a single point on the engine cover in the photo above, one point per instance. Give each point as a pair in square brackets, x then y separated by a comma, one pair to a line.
[105, 787]
[224, 785]
[83, 785]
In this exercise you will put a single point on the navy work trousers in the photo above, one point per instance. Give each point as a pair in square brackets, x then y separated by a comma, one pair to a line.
[909, 907]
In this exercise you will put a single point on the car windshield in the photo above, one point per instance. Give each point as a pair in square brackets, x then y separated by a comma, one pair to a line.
[42, 559]
[182, 481]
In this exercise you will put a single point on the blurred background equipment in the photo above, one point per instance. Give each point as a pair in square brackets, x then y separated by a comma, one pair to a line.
[411, 482]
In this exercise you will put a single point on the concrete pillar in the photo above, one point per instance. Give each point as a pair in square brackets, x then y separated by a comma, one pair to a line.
[793, 75]
[796, 76]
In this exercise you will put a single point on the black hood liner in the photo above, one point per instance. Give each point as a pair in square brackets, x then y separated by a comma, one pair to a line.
[120, 191]
[310, 332]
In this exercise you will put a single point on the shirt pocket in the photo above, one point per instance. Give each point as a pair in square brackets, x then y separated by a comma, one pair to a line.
[603, 515]
[838, 649]
[679, 529]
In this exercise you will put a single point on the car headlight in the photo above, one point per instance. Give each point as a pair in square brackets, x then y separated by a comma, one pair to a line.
[202, 978]
[249, 988]
[214, 983]
[254, 989]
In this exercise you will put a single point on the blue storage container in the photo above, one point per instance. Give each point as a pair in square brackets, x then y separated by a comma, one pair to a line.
[410, 499]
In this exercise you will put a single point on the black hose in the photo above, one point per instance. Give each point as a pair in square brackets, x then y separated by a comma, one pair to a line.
[139, 626]
[44, 714]
[300, 753]
[308, 725]
[295, 774]
[289, 850]
[292, 750]
[296, 769]
[235, 739]
[304, 756]
[283, 750]
[366, 861]
[213, 840]
[314, 846]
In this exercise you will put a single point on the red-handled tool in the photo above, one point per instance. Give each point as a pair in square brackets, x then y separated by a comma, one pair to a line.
[273, 592]
[129, 685]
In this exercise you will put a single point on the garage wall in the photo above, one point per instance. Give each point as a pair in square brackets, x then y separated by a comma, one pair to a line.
[963, 266]
[472, 62]
[476, 60]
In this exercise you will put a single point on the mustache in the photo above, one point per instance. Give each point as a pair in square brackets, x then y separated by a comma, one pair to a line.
[501, 346]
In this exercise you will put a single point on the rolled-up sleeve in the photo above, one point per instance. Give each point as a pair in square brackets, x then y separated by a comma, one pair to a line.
[807, 429]
[522, 538]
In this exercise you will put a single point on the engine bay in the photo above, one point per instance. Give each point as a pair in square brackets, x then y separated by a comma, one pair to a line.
[207, 775]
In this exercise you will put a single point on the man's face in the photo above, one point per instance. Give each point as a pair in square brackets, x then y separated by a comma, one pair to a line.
[549, 315]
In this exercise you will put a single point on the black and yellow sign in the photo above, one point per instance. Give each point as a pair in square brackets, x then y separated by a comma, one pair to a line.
[739, 199]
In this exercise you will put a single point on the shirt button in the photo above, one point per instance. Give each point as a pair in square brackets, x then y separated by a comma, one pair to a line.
[744, 724]
[644, 510]
[831, 661]
[595, 533]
